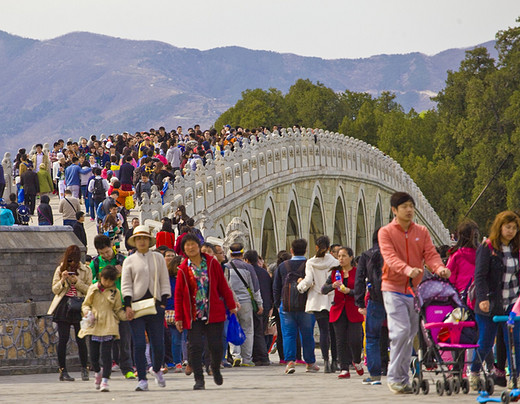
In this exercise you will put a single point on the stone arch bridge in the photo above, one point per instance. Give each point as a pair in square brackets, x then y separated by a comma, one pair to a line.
[294, 184]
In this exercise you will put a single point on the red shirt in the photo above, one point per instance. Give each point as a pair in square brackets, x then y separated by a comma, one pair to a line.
[345, 302]
[165, 238]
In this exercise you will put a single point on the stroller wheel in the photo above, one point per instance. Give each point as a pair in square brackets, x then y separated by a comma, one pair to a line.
[448, 386]
[465, 386]
[456, 386]
[416, 385]
[490, 385]
[481, 385]
[439, 386]
[425, 386]
[505, 397]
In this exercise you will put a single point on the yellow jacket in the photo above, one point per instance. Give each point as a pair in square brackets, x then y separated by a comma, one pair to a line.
[107, 309]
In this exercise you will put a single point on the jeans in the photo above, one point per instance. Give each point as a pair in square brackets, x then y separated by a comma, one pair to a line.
[403, 324]
[63, 339]
[69, 222]
[153, 326]
[376, 316]
[293, 322]
[245, 318]
[75, 190]
[349, 341]
[177, 340]
[106, 356]
[487, 333]
[86, 196]
[213, 335]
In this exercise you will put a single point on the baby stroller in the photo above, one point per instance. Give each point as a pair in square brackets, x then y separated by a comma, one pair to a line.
[446, 330]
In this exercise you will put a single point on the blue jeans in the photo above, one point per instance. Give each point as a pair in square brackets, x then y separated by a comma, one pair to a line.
[224, 340]
[177, 339]
[153, 325]
[376, 316]
[292, 323]
[487, 333]
[69, 222]
[85, 194]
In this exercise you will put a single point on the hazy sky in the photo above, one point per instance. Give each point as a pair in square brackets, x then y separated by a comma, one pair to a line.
[326, 28]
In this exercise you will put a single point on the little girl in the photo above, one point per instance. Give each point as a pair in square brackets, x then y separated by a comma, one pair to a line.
[103, 301]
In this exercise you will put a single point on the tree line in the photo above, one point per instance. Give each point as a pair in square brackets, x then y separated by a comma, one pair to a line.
[451, 151]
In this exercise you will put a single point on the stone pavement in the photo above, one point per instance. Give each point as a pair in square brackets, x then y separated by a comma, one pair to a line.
[241, 385]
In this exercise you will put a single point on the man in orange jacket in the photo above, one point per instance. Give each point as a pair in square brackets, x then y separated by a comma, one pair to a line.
[405, 247]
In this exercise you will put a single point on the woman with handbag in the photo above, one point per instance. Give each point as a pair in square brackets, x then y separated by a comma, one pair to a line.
[70, 284]
[200, 292]
[145, 286]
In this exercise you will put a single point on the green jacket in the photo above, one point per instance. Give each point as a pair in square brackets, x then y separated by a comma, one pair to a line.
[103, 264]
[45, 180]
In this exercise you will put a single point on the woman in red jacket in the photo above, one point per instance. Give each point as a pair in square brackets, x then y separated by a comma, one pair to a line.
[200, 293]
[344, 315]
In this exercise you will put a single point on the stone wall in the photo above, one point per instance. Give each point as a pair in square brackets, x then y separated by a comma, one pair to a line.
[29, 257]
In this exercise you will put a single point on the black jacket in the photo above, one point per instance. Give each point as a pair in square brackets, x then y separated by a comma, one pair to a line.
[45, 213]
[30, 182]
[13, 206]
[369, 270]
[126, 173]
[266, 287]
[79, 231]
[489, 272]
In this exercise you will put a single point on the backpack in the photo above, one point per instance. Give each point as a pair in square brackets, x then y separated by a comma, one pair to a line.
[374, 266]
[100, 212]
[119, 257]
[292, 299]
[98, 192]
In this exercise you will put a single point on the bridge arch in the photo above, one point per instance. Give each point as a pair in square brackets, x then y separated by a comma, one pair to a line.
[378, 220]
[293, 227]
[246, 219]
[269, 236]
[361, 224]
[316, 217]
[340, 231]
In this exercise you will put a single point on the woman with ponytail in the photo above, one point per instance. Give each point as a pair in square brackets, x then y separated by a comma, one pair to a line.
[317, 270]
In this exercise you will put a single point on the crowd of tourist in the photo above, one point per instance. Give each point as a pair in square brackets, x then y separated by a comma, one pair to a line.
[165, 304]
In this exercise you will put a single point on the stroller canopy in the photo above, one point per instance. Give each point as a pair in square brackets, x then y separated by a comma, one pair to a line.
[436, 290]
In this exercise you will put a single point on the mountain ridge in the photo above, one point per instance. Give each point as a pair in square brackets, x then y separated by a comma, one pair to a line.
[82, 83]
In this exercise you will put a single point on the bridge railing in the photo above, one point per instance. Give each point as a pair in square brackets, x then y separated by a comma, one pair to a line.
[229, 180]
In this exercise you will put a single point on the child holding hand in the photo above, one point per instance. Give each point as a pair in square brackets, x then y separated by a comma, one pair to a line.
[103, 305]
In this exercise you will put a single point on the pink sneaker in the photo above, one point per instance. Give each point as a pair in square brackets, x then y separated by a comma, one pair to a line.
[282, 362]
[299, 362]
[178, 368]
[97, 380]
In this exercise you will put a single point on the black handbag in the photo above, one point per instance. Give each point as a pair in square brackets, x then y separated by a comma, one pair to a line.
[74, 304]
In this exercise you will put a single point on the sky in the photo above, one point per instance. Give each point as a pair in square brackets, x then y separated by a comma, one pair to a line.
[329, 29]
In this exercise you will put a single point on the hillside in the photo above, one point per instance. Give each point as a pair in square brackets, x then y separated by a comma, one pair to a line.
[83, 83]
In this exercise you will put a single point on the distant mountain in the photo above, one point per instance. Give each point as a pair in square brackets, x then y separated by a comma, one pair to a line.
[83, 83]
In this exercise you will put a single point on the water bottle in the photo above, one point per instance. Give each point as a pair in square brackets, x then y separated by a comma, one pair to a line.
[339, 278]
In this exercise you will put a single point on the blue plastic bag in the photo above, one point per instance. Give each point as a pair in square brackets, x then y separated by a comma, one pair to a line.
[21, 195]
[235, 333]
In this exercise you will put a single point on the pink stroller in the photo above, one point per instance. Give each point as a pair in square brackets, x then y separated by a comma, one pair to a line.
[447, 329]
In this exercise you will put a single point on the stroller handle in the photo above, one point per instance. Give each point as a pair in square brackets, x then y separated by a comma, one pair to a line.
[503, 319]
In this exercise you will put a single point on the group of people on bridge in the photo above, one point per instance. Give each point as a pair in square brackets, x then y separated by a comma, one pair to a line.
[148, 311]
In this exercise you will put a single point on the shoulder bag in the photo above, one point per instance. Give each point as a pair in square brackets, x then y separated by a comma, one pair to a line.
[251, 295]
[146, 307]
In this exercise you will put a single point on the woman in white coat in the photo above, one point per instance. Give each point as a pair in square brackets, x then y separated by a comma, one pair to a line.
[317, 270]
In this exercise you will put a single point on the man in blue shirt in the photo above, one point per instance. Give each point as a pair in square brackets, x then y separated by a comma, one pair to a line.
[72, 176]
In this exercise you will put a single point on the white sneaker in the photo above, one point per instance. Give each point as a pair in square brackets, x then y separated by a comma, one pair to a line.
[142, 385]
[159, 377]
[104, 386]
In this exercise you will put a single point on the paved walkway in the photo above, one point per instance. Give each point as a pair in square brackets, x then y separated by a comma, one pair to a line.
[241, 385]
